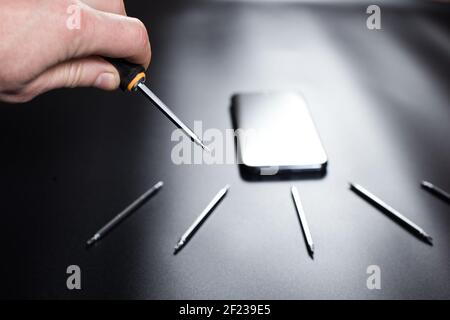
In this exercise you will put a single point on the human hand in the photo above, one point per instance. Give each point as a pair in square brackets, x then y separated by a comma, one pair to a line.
[49, 44]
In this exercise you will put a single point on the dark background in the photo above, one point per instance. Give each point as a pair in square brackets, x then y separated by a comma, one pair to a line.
[72, 159]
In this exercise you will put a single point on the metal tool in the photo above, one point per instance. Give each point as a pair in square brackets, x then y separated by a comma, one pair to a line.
[132, 78]
[303, 221]
[201, 218]
[124, 214]
[444, 195]
[365, 194]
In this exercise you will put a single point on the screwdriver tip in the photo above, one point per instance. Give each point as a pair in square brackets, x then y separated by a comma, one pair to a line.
[92, 240]
[199, 142]
[178, 246]
[206, 148]
[428, 238]
[311, 251]
[427, 184]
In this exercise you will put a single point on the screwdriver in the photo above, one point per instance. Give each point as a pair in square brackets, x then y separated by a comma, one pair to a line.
[444, 195]
[128, 211]
[132, 78]
[380, 204]
[200, 219]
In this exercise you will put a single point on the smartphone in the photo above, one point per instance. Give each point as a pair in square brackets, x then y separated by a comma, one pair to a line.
[276, 130]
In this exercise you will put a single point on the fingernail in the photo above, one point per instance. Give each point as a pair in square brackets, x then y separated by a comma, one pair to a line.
[107, 81]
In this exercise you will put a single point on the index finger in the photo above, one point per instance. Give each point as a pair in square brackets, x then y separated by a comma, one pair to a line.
[111, 35]
[113, 6]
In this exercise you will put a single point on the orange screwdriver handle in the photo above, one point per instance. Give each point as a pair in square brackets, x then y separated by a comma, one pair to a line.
[130, 74]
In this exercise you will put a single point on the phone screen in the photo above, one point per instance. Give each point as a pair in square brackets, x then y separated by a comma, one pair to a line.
[276, 130]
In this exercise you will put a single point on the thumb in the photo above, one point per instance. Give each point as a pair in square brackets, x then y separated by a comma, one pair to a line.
[84, 72]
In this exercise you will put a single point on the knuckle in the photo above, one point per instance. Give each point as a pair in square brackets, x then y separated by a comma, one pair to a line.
[74, 36]
[141, 42]
[73, 74]
[140, 34]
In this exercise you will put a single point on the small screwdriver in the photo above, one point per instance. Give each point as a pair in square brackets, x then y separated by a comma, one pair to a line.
[132, 78]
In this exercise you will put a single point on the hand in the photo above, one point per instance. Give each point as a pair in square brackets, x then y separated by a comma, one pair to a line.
[48, 44]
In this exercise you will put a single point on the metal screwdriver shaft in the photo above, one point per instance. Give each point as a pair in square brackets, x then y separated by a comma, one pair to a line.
[201, 218]
[365, 194]
[132, 78]
[169, 114]
[444, 195]
[303, 221]
[124, 214]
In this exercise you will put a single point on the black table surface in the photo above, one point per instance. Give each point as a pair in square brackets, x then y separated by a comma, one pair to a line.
[73, 158]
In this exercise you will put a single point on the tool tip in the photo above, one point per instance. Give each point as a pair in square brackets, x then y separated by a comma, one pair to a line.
[427, 184]
[90, 242]
[428, 238]
[200, 142]
[311, 251]
[206, 148]
[178, 246]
